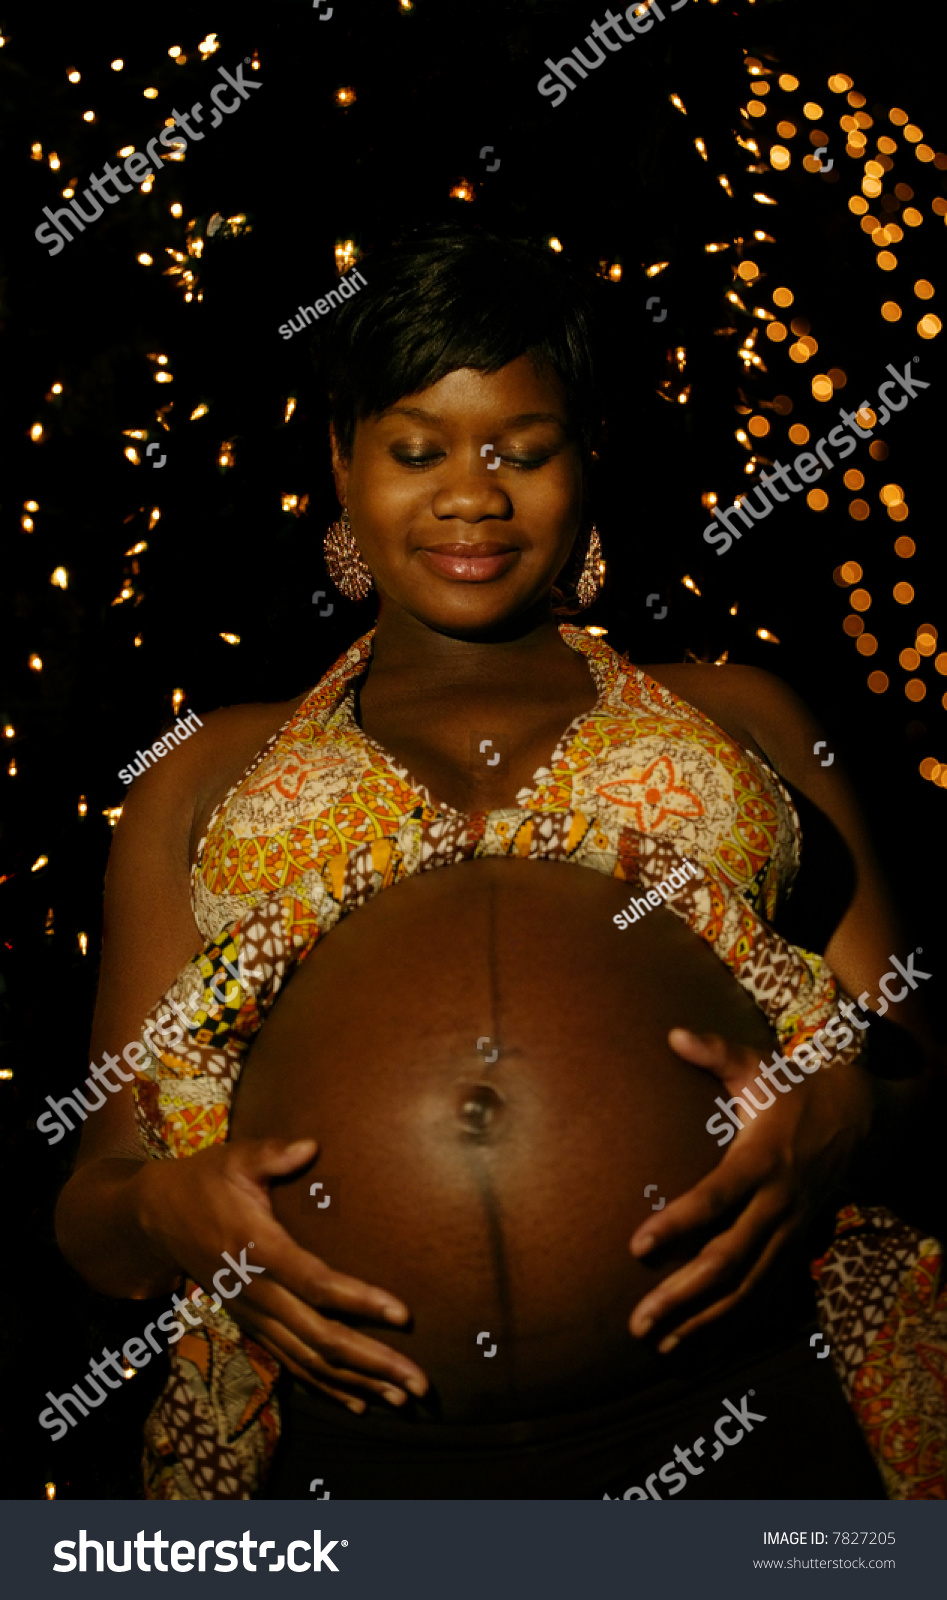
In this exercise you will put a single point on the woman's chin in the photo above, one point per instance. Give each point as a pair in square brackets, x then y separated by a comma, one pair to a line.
[491, 612]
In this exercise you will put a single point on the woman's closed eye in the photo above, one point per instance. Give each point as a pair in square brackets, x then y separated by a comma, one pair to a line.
[525, 463]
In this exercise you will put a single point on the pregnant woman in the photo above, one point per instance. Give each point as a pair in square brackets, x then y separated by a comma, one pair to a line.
[440, 1128]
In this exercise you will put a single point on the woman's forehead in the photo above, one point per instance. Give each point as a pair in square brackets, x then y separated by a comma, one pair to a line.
[518, 392]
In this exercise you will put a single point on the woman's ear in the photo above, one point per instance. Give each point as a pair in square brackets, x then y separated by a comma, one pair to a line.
[563, 596]
[340, 467]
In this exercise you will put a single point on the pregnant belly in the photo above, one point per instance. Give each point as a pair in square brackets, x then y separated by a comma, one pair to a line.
[482, 1056]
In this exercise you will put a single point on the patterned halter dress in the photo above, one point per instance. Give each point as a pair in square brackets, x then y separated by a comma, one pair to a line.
[323, 820]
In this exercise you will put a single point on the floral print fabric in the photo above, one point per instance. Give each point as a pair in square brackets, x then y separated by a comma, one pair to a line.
[325, 819]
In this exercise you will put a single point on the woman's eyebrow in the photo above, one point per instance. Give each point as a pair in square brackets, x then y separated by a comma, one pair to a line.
[532, 416]
[505, 422]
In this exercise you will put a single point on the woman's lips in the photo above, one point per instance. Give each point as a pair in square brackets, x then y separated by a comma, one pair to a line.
[471, 563]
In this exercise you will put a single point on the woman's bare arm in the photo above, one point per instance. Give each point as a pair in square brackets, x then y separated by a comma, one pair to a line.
[149, 934]
[871, 930]
[778, 1165]
[133, 1226]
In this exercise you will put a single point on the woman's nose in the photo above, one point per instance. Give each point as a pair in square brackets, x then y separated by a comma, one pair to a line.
[469, 488]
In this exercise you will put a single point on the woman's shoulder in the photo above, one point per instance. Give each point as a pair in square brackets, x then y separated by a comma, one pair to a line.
[724, 681]
[235, 737]
[754, 706]
[170, 804]
[172, 800]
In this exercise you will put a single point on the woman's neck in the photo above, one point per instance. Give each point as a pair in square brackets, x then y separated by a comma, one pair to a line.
[404, 646]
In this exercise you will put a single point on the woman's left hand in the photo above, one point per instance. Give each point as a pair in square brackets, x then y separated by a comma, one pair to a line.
[774, 1174]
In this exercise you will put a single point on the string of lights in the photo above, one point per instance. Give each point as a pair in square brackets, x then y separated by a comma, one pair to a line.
[767, 151]
[887, 175]
[773, 116]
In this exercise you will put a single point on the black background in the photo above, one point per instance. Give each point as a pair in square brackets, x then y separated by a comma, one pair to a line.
[614, 174]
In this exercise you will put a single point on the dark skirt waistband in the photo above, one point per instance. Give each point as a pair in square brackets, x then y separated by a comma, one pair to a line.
[786, 1431]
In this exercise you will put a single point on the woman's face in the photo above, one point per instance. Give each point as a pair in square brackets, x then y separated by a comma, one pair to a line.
[465, 499]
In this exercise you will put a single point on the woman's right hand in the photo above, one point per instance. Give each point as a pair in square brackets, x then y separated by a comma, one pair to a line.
[218, 1200]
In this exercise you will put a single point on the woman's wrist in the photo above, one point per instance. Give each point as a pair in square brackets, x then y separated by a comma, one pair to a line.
[856, 1109]
[101, 1229]
[883, 1158]
[148, 1193]
[894, 1078]
[901, 1078]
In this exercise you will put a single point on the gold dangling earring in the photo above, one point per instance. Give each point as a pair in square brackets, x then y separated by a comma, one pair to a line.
[591, 579]
[344, 560]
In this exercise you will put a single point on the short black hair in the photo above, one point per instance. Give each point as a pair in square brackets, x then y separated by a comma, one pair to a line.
[447, 296]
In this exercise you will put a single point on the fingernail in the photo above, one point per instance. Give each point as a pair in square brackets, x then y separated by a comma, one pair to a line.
[393, 1313]
[358, 1406]
[668, 1344]
[640, 1247]
[395, 1397]
[645, 1326]
[416, 1385]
